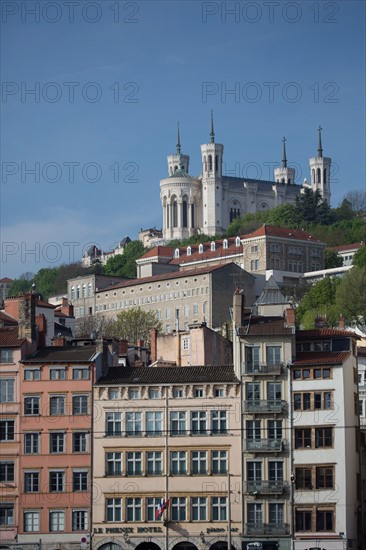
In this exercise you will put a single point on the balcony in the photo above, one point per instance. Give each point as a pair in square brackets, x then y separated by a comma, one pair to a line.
[267, 529]
[263, 406]
[265, 487]
[266, 369]
[264, 445]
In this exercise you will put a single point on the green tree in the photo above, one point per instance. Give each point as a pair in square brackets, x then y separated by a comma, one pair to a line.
[320, 300]
[18, 286]
[332, 259]
[135, 324]
[124, 265]
[285, 215]
[311, 208]
[351, 295]
[45, 281]
[359, 259]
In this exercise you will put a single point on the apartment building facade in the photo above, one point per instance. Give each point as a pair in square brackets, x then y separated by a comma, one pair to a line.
[170, 435]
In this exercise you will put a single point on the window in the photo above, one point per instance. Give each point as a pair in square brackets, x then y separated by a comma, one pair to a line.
[31, 405]
[6, 355]
[152, 505]
[31, 482]
[80, 404]
[313, 400]
[154, 422]
[58, 374]
[254, 265]
[251, 358]
[254, 513]
[6, 390]
[276, 513]
[178, 393]
[79, 520]
[32, 374]
[324, 520]
[79, 442]
[7, 470]
[219, 462]
[133, 393]
[303, 478]
[275, 429]
[253, 392]
[154, 393]
[253, 429]
[198, 462]
[302, 438]
[80, 480]
[31, 521]
[219, 422]
[6, 513]
[134, 463]
[185, 343]
[254, 470]
[57, 405]
[324, 477]
[178, 509]
[154, 463]
[198, 508]
[133, 423]
[80, 374]
[199, 422]
[133, 509]
[57, 481]
[31, 443]
[323, 437]
[178, 462]
[113, 423]
[57, 520]
[7, 430]
[178, 423]
[219, 508]
[113, 463]
[274, 392]
[219, 392]
[273, 355]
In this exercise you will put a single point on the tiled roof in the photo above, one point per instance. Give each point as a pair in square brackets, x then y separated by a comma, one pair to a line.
[283, 232]
[42, 303]
[8, 319]
[322, 333]
[67, 354]
[266, 326]
[208, 254]
[348, 247]
[168, 375]
[164, 251]
[6, 280]
[321, 358]
[164, 277]
[9, 338]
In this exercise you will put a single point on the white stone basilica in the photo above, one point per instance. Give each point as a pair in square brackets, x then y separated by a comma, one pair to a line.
[208, 203]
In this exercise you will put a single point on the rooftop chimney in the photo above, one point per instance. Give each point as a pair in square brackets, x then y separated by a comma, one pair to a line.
[27, 316]
[238, 308]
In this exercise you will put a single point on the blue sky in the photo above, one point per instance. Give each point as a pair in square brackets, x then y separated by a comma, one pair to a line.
[112, 78]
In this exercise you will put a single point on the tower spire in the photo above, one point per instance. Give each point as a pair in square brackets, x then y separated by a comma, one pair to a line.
[212, 133]
[320, 147]
[178, 139]
[284, 158]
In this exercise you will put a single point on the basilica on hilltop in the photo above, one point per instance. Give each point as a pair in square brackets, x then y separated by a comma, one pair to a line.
[209, 203]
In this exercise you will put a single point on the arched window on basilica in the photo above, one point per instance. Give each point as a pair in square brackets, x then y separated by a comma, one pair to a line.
[234, 213]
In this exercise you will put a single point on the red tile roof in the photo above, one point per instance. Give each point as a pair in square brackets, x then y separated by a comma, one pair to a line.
[348, 247]
[320, 333]
[320, 358]
[164, 251]
[283, 232]
[42, 303]
[6, 280]
[8, 319]
[9, 338]
[208, 254]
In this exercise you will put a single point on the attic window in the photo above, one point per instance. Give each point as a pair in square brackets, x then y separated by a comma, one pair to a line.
[213, 246]
[189, 250]
[200, 249]
[237, 241]
[176, 253]
[224, 244]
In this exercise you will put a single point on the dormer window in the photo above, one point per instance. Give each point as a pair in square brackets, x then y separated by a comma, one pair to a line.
[224, 244]
[200, 249]
[213, 246]
[237, 241]
[176, 253]
[189, 250]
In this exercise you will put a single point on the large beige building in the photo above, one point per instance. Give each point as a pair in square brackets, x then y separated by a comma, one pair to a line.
[167, 434]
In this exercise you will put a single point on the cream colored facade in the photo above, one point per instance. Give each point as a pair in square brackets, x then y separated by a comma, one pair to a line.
[167, 440]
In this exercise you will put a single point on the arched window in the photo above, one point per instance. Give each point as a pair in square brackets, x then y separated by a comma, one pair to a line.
[175, 168]
[213, 246]
[176, 253]
[209, 163]
[89, 289]
[313, 176]
[318, 175]
[185, 214]
[167, 216]
[200, 249]
[175, 214]
[72, 293]
[189, 250]
[224, 244]
[282, 180]
[237, 241]
[83, 291]
[192, 215]
[216, 162]
[325, 176]
[78, 292]
[204, 163]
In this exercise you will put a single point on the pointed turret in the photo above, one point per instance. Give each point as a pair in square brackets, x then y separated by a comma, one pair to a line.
[284, 158]
[320, 147]
[212, 133]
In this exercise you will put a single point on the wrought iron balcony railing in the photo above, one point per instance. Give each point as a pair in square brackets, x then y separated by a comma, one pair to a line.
[266, 487]
[264, 445]
[267, 368]
[265, 406]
